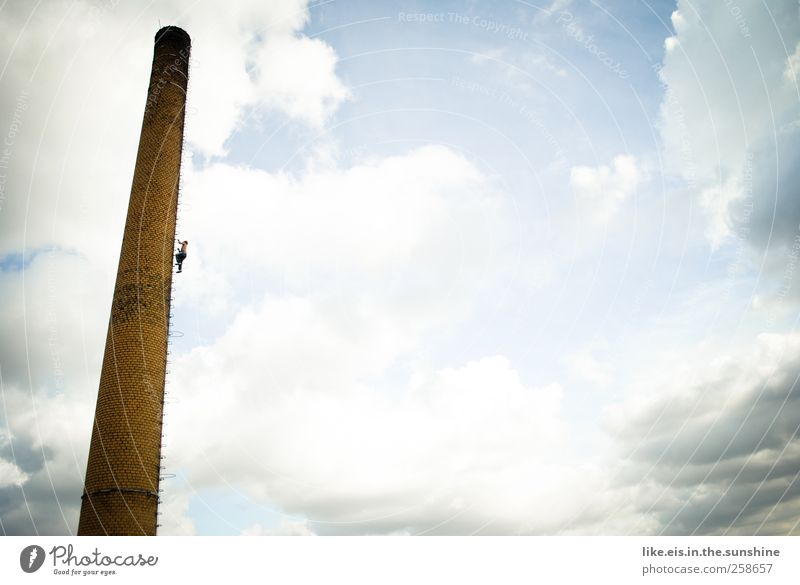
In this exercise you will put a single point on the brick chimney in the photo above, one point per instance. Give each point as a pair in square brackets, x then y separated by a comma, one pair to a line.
[122, 476]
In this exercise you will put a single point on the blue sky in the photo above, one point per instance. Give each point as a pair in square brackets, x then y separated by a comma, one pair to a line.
[456, 268]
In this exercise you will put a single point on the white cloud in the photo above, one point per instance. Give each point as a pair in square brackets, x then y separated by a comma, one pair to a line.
[239, 59]
[286, 527]
[45, 304]
[304, 87]
[202, 286]
[716, 202]
[332, 421]
[50, 355]
[459, 446]
[678, 21]
[417, 221]
[50, 437]
[554, 7]
[713, 431]
[601, 191]
[10, 474]
[792, 70]
[726, 95]
[174, 517]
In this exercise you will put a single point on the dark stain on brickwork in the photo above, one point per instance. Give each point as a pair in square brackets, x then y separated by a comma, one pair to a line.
[141, 297]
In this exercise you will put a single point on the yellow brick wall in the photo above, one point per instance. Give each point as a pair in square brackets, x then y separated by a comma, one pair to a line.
[122, 475]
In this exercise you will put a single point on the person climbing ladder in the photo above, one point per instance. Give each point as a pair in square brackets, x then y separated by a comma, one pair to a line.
[181, 255]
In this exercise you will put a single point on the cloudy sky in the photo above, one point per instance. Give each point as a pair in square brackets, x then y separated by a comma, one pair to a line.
[475, 267]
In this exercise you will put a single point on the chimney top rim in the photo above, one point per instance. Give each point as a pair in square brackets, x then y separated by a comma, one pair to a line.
[172, 31]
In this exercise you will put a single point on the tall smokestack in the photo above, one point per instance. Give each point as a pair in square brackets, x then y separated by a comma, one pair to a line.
[122, 476]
